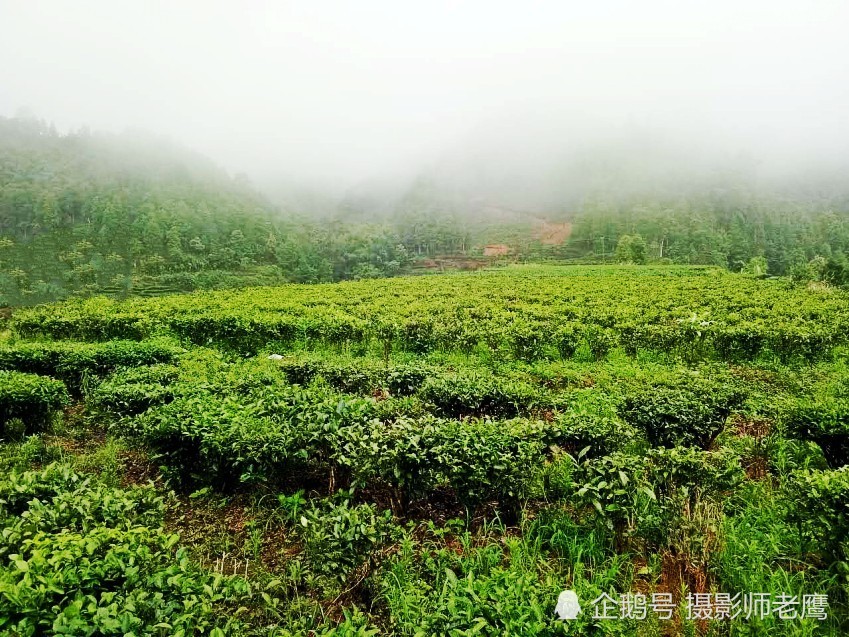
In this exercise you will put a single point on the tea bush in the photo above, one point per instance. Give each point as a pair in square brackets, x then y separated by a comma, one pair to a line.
[818, 504]
[359, 376]
[592, 434]
[520, 313]
[80, 558]
[531, 429]
[639, 495]
[469, 394]
[264, 434]
[338, 535]
[824, 421]
[71, 362]
[691, 412]
[31, 398]
[479, 459]
[132, 391]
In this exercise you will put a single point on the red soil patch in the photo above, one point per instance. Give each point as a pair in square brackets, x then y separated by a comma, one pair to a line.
[553, 234]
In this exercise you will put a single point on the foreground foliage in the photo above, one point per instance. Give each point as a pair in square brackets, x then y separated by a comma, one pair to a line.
[79, 557]
[413, 462]
[30, 399]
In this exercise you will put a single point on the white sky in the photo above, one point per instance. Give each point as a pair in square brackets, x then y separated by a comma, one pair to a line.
[338, 91]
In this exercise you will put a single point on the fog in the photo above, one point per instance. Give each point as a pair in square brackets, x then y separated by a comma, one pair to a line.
[502, 100]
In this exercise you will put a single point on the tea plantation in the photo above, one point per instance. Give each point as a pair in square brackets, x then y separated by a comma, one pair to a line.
[437, 455]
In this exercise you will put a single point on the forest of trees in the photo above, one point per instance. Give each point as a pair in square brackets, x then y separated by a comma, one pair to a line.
[725, 229]
[89, 213]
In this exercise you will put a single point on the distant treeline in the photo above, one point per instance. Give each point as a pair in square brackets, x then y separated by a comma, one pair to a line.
[89, 213]
[728, 229]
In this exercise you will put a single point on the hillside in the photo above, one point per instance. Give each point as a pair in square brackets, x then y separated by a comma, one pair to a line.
[89, 213]
[92, 213]
[725, 217]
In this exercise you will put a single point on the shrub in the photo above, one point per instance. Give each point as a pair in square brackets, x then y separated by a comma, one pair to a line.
[57, 497]
[825, 422]
[486, 459]
[642, 495]
[32, 398]
[299, 371]
[339, 536]
[264, 434]
[94, 319]
[616, 488]
[689, 413]
[246, 333]
[458, 395]
[133, 391]
[743, 342]
[361, 376]
[691, 470]
[682, 478]
[419, 335]
[397, 453]
[479, 459]
[598, 339]
[81, 558]
[591, 434]
[819, 507]
[527, 340]
[567, 338]
[72, 362]
[803, 342]
[406, 379]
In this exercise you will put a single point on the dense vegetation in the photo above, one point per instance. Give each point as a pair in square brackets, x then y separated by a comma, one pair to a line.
[725, 228]
[523, 313]
[88, 213]
[427, 455]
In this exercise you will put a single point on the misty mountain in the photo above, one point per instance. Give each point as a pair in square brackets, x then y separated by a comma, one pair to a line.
[88, 213]
[579, 193]
[93, 213]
